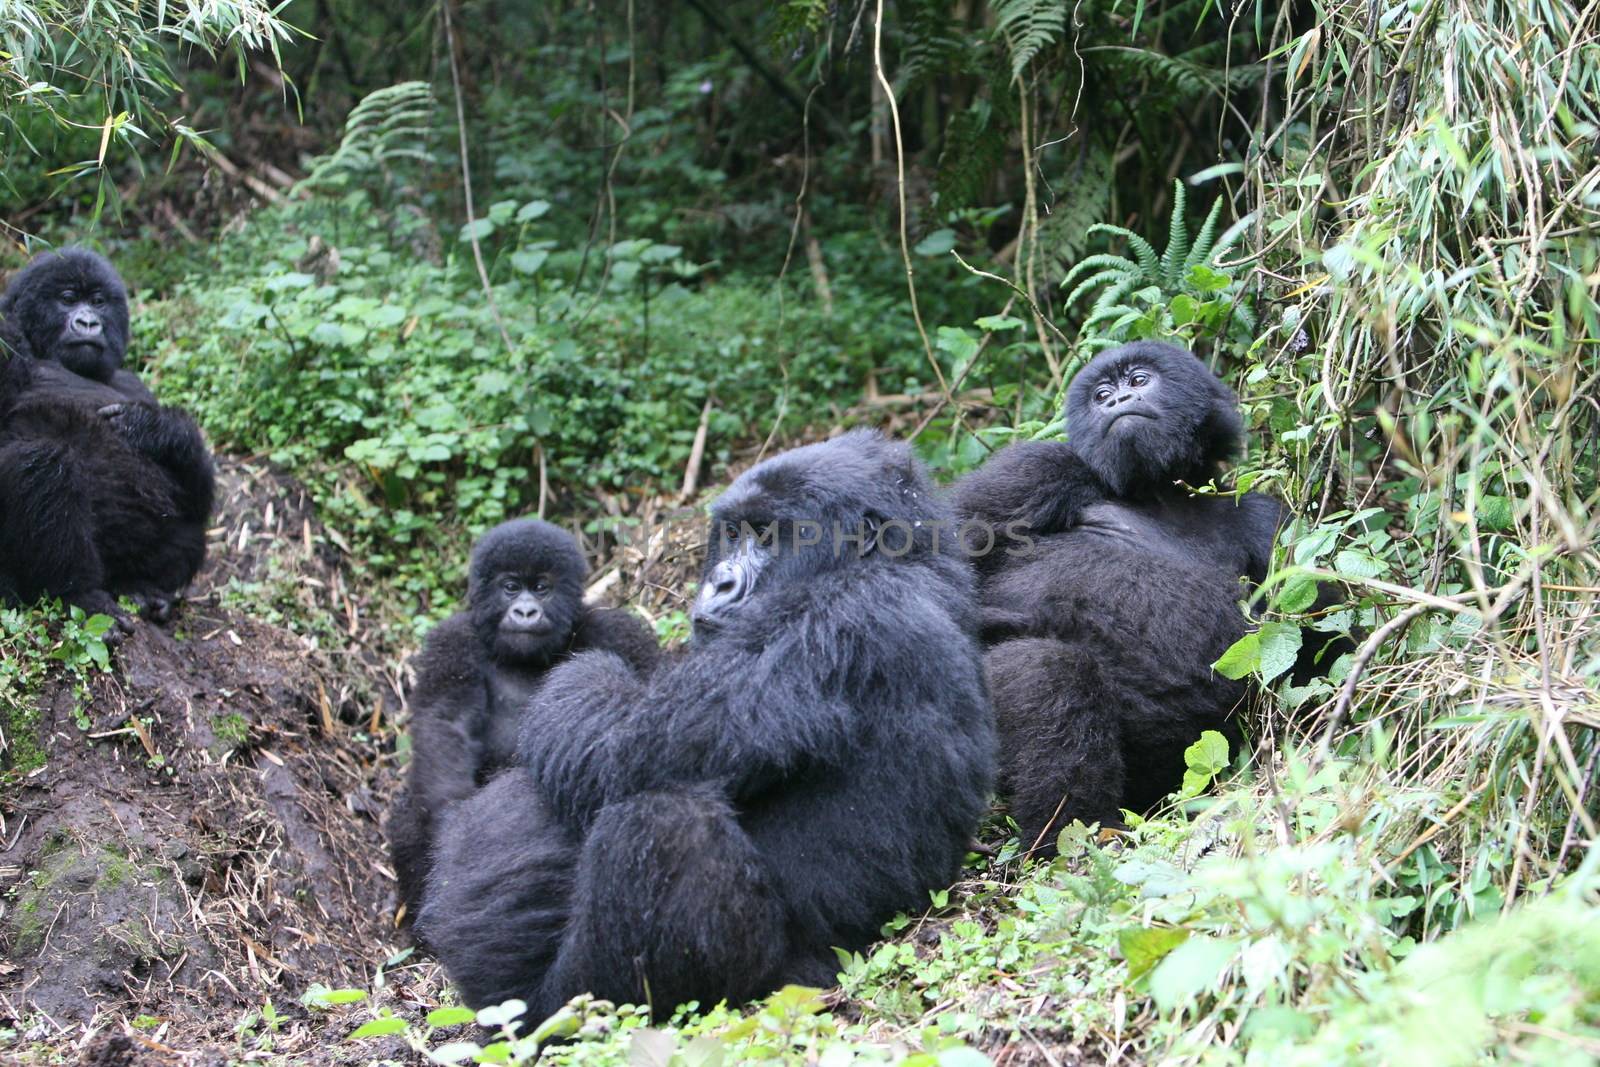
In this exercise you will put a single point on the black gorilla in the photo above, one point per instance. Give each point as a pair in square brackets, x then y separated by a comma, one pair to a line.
[1103, 622]
[815, 762]
[479, 667]
[103, 491]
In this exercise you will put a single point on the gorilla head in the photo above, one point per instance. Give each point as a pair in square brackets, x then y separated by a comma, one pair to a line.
[813, 510]
[525, 590]
[69, 306]
[1146, 414]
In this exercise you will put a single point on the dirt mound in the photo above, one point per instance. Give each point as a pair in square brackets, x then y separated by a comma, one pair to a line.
[205, 830]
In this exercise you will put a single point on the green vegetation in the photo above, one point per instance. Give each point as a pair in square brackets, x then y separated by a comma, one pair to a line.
[1385, 231]
[34, 643]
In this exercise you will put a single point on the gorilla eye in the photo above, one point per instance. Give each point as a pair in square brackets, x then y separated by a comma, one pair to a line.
[69, 295]
[1103, 393]
[542, 586]
[1139, 378]
[511, 586]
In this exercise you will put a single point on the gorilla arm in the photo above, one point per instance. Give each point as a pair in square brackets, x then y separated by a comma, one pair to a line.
[619, 631]
[744, 712]
[449, 705]
[1041, 486]
[169, 437]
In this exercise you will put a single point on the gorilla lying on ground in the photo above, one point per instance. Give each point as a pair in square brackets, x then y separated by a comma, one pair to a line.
[1104, 629]
[103, 491]
[479, 667]
[815, 762]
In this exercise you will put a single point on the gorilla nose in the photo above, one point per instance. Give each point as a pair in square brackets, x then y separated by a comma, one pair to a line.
[726, 586]
[86, 324]
[526, 614]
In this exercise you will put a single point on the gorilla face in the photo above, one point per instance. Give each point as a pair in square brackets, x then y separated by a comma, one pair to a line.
[1147, 414]
[70, 306]
[525, 591]
[809, 511]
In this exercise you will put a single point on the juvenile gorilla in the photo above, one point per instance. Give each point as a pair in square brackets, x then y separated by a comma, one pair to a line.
[815, 762]
[1102, 632]
[103, 491]
[479, 667]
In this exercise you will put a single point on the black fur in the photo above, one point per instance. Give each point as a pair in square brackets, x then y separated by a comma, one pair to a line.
[1102, 628]
[103, 491]
[476, 673]
[815, 762]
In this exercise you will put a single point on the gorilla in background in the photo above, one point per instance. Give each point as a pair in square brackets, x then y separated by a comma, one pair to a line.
[817, 761]
[103, 491]
[478, 668]
[1102, 631]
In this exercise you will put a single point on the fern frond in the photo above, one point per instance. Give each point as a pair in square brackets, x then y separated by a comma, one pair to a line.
[1177, 249]
[1104, 259]
[387, 125]
[1028, 27]
[1200, 251]
[1106, 277]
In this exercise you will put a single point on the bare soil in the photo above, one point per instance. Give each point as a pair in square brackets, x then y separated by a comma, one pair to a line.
[212, 839]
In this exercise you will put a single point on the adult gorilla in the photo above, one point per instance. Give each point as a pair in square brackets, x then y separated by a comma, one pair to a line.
[479, 667]
[103, 491]
[815, 762]
[1104, 627]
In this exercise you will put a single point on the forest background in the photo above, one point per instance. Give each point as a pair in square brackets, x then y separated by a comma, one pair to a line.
[445, 264]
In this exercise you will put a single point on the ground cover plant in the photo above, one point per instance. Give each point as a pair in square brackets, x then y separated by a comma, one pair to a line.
[1379, 223]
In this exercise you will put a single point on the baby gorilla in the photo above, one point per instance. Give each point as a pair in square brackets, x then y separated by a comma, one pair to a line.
[103, 491]
[1103, 630]
[474, 676]
[815, 762]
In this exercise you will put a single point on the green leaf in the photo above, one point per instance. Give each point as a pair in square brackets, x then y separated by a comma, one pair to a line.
[1495, 512]
[456, 1052]
[1280, 646]
[1297, 594]
[502, 1013]
[477, 228]
[1203, 761]
[1242, 657]
[1190, 969]
[1358, 564]
[1145, 946]
[452, 1016]
[651, 1048]
[380, 1027]
[533, 209]
[997, 323]
[936, 243]
[529, 260]
[960, 344]
[660, 253]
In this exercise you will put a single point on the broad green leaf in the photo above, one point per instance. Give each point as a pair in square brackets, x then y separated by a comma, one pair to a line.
[477, 228]
[529, 260]
[1296, 595]
[533, 209]
[1190, 969]
[380, 1027]
[456, 1052]
[452, 1016]
[936, 243]
[1145, 946]
[1280, 646]
[1242, 657]
[996, 323]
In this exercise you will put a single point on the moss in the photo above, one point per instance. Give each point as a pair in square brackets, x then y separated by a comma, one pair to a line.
[231, 730]
[115, 869]
[19, 722]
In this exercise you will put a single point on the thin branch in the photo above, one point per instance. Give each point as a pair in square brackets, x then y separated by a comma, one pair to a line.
[900, 186]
